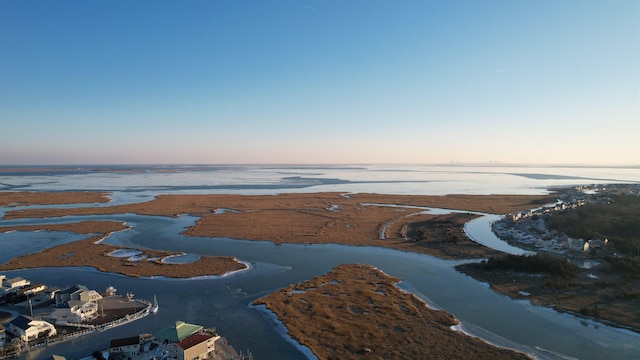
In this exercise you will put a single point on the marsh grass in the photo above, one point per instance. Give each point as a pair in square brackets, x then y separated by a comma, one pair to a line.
[364, 322]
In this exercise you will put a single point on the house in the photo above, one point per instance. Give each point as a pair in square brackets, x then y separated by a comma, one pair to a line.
[200, 345]
[27, 328]
[578, 245]
[65, 295]
[15, 282]
[33, 289]
[125, 347]
[75, 311]
[86, 295]
[547, 244]
[598, 243]
[513, 216]
[13, 285]
[559, 244]
[177, 332]
[47, 294]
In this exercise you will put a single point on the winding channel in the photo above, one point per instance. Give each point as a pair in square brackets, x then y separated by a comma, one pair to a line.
[223, 302]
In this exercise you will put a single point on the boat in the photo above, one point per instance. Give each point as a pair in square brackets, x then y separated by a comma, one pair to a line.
[154, 308]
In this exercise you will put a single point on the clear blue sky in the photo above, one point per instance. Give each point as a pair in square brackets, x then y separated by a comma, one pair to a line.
[360, 81]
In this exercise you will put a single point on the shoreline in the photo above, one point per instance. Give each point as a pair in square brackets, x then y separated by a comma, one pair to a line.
[282, 329]
[512, 284]
[498, 341]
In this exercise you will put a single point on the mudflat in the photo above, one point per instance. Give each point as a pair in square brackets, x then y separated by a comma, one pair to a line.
[356, 311]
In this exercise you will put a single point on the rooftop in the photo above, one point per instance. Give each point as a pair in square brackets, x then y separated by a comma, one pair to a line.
[177, 332]
[21, 322]
[194, 340]
[134, 340]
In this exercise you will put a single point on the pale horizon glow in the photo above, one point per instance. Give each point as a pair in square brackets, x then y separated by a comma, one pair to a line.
[319, 82]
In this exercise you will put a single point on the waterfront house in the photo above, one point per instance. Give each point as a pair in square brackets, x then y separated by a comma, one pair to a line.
[124, 348]
[33, 289]
[15, 282]
[200, 345]
[75, 311]
[27, 328]
[13, 285]
[177, 332]
[76, 292]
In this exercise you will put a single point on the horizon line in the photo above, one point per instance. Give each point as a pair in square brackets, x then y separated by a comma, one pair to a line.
[452, 163]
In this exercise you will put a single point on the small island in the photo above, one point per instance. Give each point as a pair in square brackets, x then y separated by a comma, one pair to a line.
[356, 310]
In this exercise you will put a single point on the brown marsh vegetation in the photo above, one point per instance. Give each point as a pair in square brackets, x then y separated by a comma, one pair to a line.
[89, 252]
[356, 311]
[18, 198]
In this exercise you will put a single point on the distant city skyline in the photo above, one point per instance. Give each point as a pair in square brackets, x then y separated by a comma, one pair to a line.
[319, 82]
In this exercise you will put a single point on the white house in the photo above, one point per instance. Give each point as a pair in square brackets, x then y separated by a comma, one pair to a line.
[86, 295]
[578, 245]
[33, 289]
[598, 243]
[76, 311]
[27, 328]
[13, 285]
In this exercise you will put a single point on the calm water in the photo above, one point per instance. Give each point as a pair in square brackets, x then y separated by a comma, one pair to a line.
[223, 302]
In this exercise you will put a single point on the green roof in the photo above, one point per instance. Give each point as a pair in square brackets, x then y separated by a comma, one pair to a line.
[177, 332]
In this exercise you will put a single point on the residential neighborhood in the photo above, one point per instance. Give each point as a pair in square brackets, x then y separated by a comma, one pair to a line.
[64, 314]
[178, 341]
[49, 315]
[528, 228]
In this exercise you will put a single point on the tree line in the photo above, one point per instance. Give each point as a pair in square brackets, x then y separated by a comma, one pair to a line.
[539, 263]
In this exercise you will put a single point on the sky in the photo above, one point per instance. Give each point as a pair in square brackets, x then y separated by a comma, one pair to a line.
[319, 82]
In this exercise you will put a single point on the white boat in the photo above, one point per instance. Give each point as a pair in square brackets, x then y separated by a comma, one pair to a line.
[154, 308]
